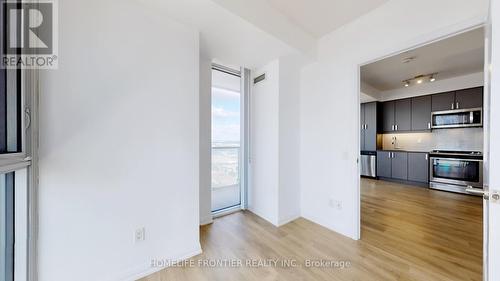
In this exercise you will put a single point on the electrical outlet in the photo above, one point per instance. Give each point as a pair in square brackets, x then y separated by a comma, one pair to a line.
[139, 234]
[338, 205]
[335, 204]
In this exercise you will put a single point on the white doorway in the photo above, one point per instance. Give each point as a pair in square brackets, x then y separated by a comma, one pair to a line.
[395, 142]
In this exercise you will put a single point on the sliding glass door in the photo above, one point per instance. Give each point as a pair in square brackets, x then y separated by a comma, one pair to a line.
[226, 144]
[18, 91]
[7, 227]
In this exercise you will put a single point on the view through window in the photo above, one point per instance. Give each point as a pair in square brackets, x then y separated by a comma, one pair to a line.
[226, 152]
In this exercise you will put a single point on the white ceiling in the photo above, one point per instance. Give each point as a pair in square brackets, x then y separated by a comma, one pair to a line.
[455, 56]
[251, 33]
[319, 17]
[224, 36]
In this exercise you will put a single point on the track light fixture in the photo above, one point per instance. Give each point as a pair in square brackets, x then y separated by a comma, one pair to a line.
[419, 79]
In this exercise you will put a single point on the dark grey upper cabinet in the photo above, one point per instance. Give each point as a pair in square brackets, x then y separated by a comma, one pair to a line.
[384, 166]
[444, 101]
[387, 116]
[400, 165]
[402, 115]
[362, 127]
[421, 113]
[370, 113]
[469, 98]
[418, 167]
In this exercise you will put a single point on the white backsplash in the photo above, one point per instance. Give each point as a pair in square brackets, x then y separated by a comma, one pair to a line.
[446, 139]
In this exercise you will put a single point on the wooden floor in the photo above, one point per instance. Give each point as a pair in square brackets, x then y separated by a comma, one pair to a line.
[408, 233]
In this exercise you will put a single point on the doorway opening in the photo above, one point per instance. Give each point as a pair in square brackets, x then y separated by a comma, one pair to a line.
[421, 155]
[227, 157]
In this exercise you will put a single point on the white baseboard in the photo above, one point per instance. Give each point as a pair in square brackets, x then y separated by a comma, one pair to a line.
[260, 215]
[288, 220]
[206, 220]
[146, 269]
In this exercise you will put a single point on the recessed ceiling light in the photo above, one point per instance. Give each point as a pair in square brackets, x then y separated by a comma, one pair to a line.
[407, 84]
[432, 79]
[419, 81]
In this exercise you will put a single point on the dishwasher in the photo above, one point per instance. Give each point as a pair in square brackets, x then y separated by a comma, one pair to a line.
[369, 164]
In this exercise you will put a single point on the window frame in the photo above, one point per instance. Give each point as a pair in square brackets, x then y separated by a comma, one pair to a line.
[24, 164]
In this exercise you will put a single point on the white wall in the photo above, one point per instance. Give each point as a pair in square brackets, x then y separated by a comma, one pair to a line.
[439, 86]
[364, 98]
[274, 193]
[289, 139]
[225, 36]
[118, 143]
[330, 99]
[263, 194]
[368, 93]
[205, 140]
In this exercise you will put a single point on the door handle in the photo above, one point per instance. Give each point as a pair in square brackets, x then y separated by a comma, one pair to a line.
[477, 191]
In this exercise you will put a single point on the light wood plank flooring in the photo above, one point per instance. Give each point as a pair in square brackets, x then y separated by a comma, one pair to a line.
[408, 233]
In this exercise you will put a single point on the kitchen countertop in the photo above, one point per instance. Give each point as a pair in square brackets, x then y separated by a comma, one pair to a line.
[402, 150]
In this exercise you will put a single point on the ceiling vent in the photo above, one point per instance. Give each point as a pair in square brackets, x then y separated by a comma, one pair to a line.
[259, 78]
[408, 59]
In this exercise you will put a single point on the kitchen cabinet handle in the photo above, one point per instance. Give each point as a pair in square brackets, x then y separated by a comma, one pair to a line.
[429, 125]
[426, 156]
[390, 155]
[396, 127]
[393, 127]
[458, 105]
[452, 105]
[366, 126]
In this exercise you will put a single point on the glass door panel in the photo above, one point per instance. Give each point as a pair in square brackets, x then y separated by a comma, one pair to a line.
[226, 152]
[462, 170]
[7, 227]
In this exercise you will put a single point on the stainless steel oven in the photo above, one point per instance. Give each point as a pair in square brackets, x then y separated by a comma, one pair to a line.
[456, 170]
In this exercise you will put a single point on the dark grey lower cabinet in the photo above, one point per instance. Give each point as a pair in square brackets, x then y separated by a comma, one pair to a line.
[384, 164]
[410, 167]
[400, 165]
[418, 167]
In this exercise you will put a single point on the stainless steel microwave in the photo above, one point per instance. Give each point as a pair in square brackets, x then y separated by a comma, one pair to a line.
[458, 118]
